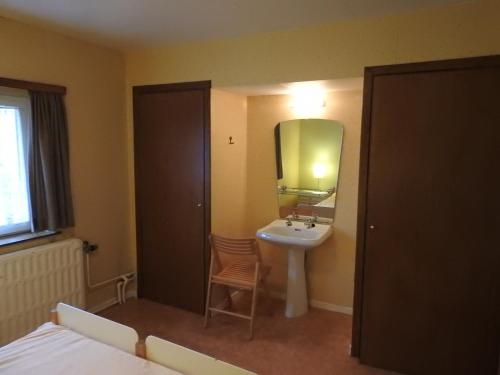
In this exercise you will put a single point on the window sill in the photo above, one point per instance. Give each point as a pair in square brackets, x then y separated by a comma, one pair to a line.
[23, 237]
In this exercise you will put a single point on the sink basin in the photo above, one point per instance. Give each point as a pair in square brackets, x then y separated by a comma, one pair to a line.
[297, 238]
[296, 235]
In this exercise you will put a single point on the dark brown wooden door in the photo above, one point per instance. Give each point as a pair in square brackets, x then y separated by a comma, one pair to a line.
[171, 136]
[431, 226]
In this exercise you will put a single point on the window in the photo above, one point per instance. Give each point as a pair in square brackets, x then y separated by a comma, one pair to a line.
[15, 216]
[35, 189]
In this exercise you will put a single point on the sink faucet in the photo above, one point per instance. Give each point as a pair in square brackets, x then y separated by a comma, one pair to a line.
[288, 222]
[309, 223]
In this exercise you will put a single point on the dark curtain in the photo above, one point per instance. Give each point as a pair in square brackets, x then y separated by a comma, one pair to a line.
[50, 189]
[277, 143]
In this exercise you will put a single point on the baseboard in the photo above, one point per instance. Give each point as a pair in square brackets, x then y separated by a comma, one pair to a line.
[110, 302]
[223, 304]
[103, 305]
[320, 304]
[331, 307]
[132, 293]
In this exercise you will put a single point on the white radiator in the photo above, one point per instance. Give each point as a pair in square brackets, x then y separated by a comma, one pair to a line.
[33, 281]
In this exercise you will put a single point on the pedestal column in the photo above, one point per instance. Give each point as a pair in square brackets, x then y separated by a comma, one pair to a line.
[296, 294]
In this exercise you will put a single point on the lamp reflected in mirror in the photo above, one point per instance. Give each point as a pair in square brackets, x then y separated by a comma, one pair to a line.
[319, 172]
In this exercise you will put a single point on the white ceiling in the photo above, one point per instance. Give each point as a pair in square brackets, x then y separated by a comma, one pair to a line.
[140, 23]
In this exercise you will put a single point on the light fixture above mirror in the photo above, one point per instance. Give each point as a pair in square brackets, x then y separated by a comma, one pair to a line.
[307, 100]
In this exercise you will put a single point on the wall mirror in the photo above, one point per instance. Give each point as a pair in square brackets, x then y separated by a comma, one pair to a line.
[307, 165]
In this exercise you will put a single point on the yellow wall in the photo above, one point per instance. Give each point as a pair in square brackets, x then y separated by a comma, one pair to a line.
[228, 162]
[332, 51]
[244, 202]
[95, 102]
[331, 266]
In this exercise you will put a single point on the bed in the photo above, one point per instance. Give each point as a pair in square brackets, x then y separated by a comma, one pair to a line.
[77, 342]
[329, 202]
[324, 208]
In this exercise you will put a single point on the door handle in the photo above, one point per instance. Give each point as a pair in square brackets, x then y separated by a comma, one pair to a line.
[199, 204]
[372, 227]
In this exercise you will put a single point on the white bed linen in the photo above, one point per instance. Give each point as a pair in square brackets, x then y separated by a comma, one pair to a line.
[328, 202]
[56, 350]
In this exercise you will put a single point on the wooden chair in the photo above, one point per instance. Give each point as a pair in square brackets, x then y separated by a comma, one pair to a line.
[238, 274]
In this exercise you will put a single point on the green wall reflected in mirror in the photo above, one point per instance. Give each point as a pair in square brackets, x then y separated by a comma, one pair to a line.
[307, 162]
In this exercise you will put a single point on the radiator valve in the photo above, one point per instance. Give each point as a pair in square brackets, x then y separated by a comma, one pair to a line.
[89, 247]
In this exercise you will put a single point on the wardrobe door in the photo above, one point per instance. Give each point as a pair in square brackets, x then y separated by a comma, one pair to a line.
[430, 248]
[171, 136]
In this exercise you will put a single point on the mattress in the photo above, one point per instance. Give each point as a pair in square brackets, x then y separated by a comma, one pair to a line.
[56, 350]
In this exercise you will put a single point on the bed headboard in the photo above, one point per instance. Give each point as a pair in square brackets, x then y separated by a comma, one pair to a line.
[187, 361]
[97, 328]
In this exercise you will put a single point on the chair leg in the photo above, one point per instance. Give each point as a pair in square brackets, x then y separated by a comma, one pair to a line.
[207, 306]
[209, 292]
[252, 311]
[254, 297]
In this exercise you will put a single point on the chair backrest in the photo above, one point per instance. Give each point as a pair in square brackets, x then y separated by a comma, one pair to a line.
[234, 246]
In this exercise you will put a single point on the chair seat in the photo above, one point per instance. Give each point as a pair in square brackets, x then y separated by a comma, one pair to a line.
[240, 273]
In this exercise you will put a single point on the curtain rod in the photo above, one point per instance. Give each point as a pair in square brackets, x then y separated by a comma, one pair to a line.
[34, 86]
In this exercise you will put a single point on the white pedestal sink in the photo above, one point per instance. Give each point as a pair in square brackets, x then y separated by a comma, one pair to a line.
[297, 238]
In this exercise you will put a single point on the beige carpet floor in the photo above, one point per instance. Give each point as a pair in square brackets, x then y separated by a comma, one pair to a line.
[317, 343]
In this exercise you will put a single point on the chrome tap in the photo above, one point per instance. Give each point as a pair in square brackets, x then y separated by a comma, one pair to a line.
[288, 222]
[309, 223]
